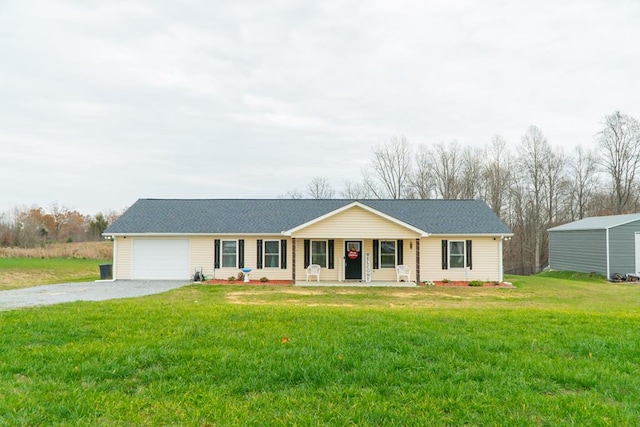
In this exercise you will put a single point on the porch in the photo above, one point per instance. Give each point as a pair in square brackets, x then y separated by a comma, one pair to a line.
[350, 283]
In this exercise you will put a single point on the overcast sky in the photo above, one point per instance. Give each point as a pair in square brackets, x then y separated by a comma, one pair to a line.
[105, 102]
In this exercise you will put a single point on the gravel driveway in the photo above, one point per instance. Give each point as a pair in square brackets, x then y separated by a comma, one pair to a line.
[85, 291]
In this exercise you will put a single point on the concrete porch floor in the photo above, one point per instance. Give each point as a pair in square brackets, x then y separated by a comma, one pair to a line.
[358, 284]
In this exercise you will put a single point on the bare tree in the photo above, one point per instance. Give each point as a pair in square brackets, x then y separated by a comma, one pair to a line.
[496, 174]
[620, 145]
[534, 153]
[583, 182]
[319, 188]
[422, 177]
[446, 170]
[292, 194]
[354, 190]
[554, 182]
[389, 171]
[472, 165]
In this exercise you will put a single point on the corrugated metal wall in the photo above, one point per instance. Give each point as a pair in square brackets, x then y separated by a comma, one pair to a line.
[622, 248]
[578, 250]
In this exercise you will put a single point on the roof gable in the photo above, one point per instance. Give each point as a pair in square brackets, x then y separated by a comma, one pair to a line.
[332, 221]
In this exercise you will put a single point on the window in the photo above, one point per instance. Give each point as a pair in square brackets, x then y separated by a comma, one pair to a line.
[456, 254]
[229, 253]
[387, 253]
[272, 253]
[319, 252]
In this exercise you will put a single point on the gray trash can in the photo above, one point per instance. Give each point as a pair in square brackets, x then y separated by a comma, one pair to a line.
[106, 271]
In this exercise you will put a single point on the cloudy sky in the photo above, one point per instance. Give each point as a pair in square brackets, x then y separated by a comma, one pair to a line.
[104, 102]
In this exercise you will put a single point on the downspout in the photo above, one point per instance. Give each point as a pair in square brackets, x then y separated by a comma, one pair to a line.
[500, 255]
[114, 271]
[608, 267]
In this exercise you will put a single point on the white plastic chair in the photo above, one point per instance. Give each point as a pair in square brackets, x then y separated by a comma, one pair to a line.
[403, 271]
[313, 270]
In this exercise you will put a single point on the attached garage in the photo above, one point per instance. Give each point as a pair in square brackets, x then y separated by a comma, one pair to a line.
[160, 259]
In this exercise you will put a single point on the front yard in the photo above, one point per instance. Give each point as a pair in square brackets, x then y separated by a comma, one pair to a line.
[549, 352]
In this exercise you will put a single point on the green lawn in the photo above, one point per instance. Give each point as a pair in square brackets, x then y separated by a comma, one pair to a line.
[550, 352]
[24, 272]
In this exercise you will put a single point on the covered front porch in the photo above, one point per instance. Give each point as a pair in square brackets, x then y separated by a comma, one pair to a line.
[350, 283]
[355, 244]
[356, 261]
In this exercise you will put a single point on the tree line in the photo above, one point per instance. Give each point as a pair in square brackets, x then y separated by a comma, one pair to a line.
[531, 188]
[531, 185]
[29, 227]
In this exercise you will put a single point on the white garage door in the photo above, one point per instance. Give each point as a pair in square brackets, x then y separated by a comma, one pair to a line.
[160, 259]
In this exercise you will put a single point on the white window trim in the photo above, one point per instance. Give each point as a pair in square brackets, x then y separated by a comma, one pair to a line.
[464, 253]
[264, 253]
[326, 252]
[222, 253]
[395, 253]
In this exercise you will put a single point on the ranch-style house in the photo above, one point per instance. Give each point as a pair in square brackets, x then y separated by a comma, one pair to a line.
[344, 240]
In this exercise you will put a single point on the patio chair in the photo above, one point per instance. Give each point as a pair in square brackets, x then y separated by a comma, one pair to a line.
[313, 270]
[403, 271]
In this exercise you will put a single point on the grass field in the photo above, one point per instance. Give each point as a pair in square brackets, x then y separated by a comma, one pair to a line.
[85, 250]
[25, 272]
[553, 351]
[53, 263]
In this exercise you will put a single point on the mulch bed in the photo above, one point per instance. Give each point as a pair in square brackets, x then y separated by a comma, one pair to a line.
[289, 282]
[466, 284]
[251, 282]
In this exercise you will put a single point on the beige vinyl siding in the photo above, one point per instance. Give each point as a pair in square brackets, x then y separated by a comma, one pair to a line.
[408, 258]
[326, 274]
[485, 258]
[201, 254]
[337, 273]
[122, 259]
[272, 273]
[355, 223]
[251, 261]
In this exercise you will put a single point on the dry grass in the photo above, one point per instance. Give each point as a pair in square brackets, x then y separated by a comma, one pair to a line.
[85, 250]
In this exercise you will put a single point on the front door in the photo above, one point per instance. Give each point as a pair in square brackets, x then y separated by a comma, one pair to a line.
[353, 260]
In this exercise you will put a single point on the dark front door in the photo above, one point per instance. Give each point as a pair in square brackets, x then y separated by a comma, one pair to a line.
[353, 260]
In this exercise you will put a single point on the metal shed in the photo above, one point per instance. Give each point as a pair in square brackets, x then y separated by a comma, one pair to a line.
[603, 244]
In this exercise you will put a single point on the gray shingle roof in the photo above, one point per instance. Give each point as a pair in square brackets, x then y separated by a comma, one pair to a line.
[272, 216]
[598, 222]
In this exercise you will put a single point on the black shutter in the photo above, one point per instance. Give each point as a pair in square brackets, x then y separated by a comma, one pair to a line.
[469, 263]
[445, 255]
[331, 253]
[216, 253]
[283, 253]
[400, 252]
[307, 252]
[376, 244]
[241, 253]
[259, 256]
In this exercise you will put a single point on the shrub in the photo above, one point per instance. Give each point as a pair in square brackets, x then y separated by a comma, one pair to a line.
[240, 277]
[231, 278]
[476, 283]
[264, 279]
[445, 280]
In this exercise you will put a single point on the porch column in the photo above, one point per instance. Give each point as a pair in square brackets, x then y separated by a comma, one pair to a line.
[418, 262]
[293, 260]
